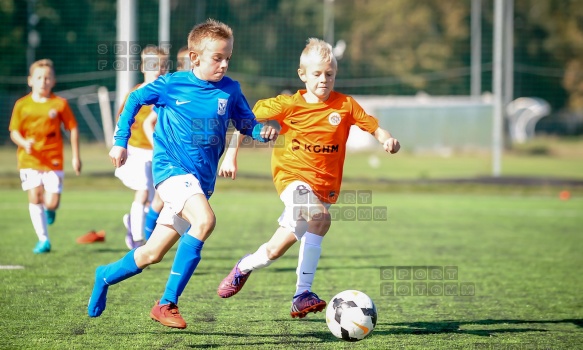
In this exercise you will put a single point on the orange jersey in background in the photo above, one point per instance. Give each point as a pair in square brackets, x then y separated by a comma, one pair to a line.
[314, 139]
[138, 136]
[41, 122]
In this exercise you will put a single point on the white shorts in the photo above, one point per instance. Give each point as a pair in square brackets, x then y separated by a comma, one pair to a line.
[301, 204]
[136, 173]
[175, 191]
[52, 180]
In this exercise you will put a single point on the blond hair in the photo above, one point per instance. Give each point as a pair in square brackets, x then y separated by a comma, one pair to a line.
[41, 64]
[211, 29]
[319, 49]
[182, 50]
[153, 50]
[154, 57]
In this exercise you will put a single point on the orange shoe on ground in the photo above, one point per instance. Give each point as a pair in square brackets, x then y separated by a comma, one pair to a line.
[92, 237]
[168, 315]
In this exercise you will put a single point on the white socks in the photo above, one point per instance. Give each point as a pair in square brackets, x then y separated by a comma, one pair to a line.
[310, 250]
[137, 220]
[39, 221]
[255, 261]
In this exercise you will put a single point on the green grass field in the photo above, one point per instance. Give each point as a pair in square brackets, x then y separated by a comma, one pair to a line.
[520, 247]
[523, 254]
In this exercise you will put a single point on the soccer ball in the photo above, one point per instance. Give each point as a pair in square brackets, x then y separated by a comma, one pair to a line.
[351, 315]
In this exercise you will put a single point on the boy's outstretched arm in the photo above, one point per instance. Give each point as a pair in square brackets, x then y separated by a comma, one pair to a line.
[148, 126]
[134, 102]
[270, 130]
[390, 144]
[118, 155]
[76, 157]
[20, 141]
[228, 168]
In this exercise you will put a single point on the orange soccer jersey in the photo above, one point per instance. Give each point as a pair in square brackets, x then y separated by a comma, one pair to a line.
[138, 138]
[41, 122]
[314, 139]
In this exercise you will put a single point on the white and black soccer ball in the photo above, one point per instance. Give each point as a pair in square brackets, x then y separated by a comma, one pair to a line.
[351, 315]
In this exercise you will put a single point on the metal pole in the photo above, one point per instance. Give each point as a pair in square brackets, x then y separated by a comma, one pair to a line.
[329, 21]
[476, 44]
[33, 39]
[200, 11]
[126, 50]
[164, 24]
[497, 88]
[508, 52]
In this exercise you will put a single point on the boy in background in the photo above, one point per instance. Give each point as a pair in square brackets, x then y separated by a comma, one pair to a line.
[35, 127]
[136, 173]
[183, 59]
[153, 212]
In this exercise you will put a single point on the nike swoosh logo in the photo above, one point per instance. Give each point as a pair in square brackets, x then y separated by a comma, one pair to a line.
[178, 103]
[364, 329]
[307, 273]
[104, 281]
[174, 273]
[293, 122]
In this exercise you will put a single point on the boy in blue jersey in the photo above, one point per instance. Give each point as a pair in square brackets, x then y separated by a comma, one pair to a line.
[194, 110]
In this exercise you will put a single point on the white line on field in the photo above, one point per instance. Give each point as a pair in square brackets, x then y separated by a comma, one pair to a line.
[11, 267]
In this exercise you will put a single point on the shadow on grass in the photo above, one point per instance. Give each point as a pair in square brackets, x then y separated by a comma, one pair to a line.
[401, 328]
[447, 326]
[450, 326]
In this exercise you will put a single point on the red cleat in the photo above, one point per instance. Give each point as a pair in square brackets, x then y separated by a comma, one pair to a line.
[168, 315]
[92, 237]
[234, 282]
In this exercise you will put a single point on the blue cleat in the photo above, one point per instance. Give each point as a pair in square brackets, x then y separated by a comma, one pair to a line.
[98, 298]
[42, 247]
[50, 214]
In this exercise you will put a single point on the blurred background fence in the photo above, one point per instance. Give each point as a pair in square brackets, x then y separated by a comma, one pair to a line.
[409, 60]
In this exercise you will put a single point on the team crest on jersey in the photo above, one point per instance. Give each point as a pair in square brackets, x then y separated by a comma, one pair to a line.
[334, 118]
[52, 113]
[222, 109]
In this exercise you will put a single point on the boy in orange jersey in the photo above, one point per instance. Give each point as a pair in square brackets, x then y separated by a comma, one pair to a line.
[136, 173]
[35, 127]
[307, 170]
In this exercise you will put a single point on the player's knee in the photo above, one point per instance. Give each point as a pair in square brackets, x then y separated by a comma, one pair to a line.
[35, 196]
[141, 196]
[320, 223]
[206, 223]
[145, 256]
[52, 206]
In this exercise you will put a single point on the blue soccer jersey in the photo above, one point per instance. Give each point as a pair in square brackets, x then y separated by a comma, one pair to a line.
[193, 117]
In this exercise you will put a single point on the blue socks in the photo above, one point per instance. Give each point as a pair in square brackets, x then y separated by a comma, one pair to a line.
[185, 262]
[150, 222]
[108, 275]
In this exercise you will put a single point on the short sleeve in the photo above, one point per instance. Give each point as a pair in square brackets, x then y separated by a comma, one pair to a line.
[16, 119]
[362, 119]
[270, 109]
[67, 116]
